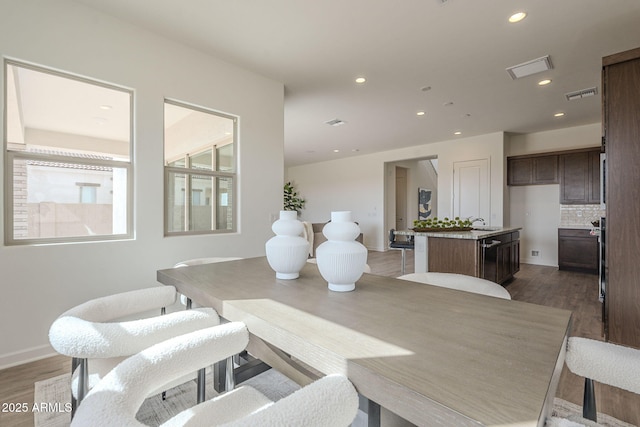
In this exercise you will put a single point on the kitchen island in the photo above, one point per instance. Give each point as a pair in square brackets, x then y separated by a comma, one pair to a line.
[492, 253]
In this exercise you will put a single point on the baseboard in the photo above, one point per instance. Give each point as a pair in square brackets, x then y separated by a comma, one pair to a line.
[32, 354]
[536, 261]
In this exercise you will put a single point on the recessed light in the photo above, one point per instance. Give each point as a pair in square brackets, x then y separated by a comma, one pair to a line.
[106, 107]
[336, 151]
[544, 82]
[560, 114]
[425, 88]
[355, 150]
[517, 17]
[361, 80]
[457, 132]
[447, 104]
[420, 113]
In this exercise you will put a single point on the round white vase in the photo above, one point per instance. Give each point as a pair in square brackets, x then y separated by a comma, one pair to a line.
[341, 260]
[287, 251]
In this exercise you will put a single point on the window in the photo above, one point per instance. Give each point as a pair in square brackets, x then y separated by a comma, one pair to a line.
[200, 170]
[88, 192]
[68, 172]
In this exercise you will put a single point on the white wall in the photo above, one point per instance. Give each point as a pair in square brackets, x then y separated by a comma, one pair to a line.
[536, 208]
[40, 282]
[358, 183]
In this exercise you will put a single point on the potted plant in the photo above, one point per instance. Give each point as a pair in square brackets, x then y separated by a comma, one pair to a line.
[291, 200]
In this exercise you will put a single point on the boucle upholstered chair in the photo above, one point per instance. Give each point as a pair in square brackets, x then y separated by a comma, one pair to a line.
[459, 282]
[330, 401]
[91, 331]
[603, 362]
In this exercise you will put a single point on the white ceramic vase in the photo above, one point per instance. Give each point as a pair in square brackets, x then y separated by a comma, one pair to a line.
[287, 251]
[341, 260]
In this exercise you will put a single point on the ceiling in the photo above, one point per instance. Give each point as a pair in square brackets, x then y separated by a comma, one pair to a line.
[457, 48]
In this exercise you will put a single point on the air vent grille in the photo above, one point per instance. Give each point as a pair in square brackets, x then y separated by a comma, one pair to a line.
[335, 122]
[530, 67]
[579, 94]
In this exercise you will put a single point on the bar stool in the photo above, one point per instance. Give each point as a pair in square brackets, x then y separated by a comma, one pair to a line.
[404, 246]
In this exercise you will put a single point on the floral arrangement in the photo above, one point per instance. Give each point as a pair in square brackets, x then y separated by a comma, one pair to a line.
[445, 224]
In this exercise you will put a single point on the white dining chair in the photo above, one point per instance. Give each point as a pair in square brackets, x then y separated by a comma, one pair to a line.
[329, 401]
[459, 282]
[92, 334]
[603, 362]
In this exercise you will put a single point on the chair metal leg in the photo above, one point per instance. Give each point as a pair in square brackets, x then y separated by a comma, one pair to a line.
[202, 379]
[74, 402]
[83, 382]
[229, 379]
[589, 401]
[372, 409]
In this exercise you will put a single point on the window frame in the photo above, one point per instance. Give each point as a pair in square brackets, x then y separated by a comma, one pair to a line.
[190, 172]
[11, 155]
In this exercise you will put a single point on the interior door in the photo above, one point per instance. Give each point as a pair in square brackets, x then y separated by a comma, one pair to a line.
[401, 198]
[471, 195]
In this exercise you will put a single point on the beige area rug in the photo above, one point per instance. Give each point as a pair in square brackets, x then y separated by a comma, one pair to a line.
[55, 392]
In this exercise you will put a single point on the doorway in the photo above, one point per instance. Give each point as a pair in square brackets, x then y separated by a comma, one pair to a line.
[401, 198]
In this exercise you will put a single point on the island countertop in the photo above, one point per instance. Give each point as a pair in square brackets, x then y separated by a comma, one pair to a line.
[478, 233]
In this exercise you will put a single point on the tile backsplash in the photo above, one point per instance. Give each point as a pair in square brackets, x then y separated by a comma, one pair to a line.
[579, 215]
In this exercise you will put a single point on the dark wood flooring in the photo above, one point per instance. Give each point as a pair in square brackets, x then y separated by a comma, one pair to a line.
[534, 284]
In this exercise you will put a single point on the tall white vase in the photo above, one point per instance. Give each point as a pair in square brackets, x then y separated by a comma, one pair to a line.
[287, 251]
[341, 260]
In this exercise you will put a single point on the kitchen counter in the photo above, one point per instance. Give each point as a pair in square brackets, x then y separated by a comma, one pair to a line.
[492, 253]
[478, 233]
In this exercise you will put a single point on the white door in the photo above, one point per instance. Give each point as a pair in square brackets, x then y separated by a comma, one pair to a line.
[471, 195]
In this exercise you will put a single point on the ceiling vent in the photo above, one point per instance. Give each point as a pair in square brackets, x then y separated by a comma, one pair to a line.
[335, 122]
[530, 67]
[584, 93]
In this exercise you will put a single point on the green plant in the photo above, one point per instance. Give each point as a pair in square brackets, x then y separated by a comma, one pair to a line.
[446, 223]
[291, 200]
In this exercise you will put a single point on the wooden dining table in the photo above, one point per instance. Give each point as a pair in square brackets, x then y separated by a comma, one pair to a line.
[431, 355]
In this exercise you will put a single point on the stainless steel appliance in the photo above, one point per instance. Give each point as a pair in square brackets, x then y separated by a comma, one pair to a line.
[603, 274]
[603, 178]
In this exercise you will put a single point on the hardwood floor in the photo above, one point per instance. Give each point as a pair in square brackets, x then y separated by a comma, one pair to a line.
[534, 284]
[16, 387]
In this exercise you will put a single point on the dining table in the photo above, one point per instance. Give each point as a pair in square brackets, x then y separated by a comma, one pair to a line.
[430, 355]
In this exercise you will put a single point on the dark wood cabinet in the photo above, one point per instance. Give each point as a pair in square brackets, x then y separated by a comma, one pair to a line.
[577, 250]
[621, 103]
[507, 258]
[532, 170]
[497, 263]
[580, 177]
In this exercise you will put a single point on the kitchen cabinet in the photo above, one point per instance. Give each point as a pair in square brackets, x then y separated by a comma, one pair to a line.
[507, 258]
[621, 109]
[580, 177]
[577, 250]
[532, 170]
[492, 255]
